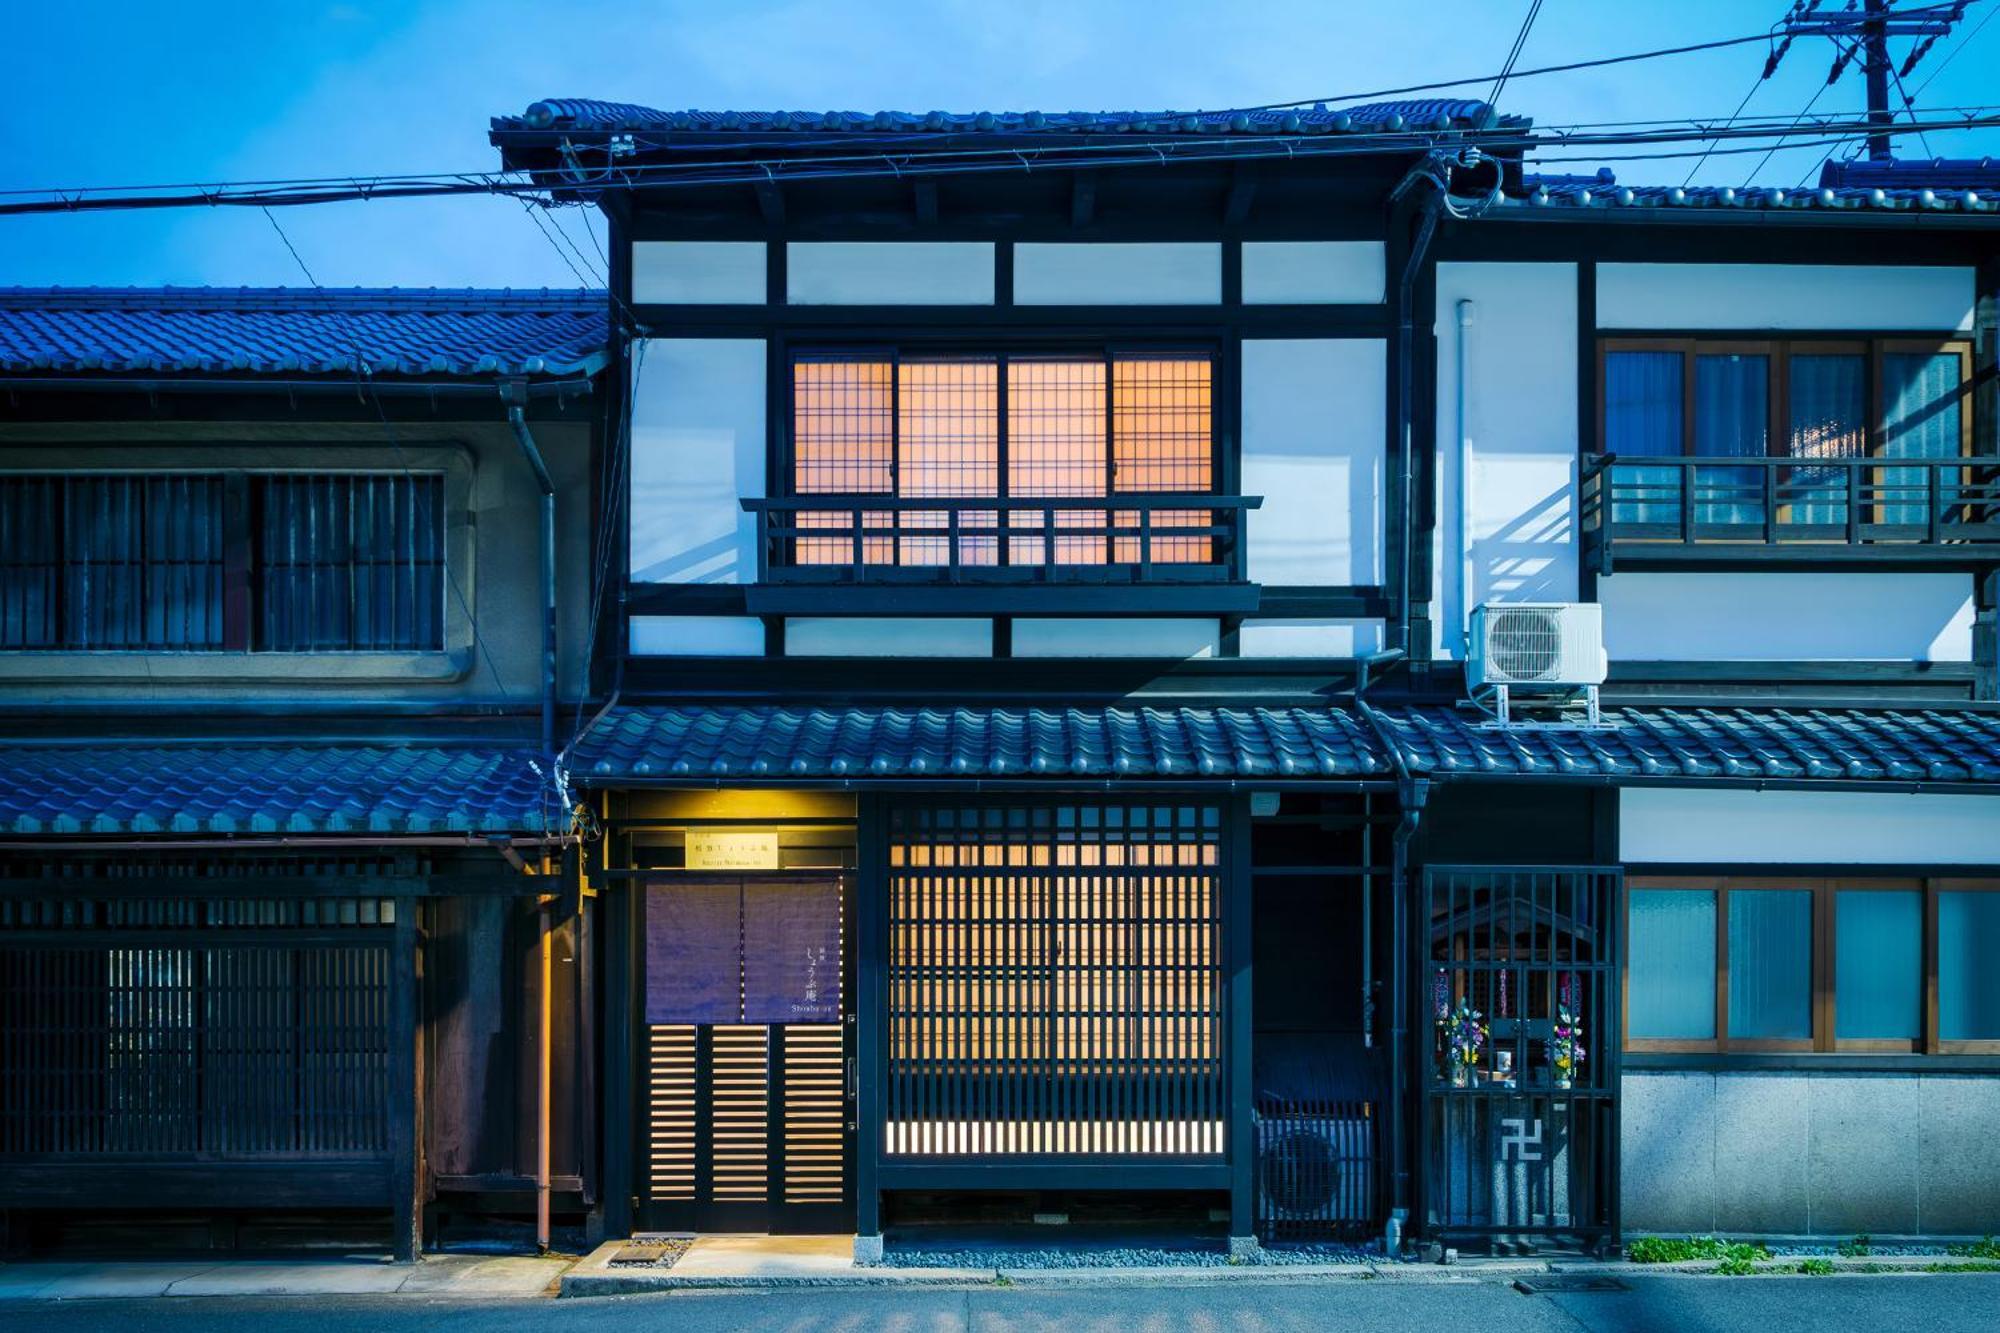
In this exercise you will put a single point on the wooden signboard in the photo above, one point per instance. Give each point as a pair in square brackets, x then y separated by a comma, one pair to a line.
[725, 849]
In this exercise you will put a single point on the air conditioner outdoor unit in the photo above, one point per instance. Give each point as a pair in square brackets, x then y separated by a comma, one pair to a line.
[1552, 648]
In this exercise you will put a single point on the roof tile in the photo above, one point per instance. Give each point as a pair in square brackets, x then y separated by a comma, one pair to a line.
[287, 331]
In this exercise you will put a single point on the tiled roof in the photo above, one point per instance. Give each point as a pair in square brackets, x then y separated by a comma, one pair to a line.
[1603, 193]
[741, 742]
[282, 330]
[264, 788]
[1731, 744]
[588, 115]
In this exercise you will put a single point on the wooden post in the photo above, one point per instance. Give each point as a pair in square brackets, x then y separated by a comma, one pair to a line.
[620, 920]
[1236, 943]
[406, 1178]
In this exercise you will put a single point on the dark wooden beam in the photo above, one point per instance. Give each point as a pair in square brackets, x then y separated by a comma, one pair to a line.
[771, 202]
[1242, 194]
[1082, 198]
[926, 196]
[406, 1057]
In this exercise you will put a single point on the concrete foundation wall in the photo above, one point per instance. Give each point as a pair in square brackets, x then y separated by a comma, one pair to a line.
[1811, 1153]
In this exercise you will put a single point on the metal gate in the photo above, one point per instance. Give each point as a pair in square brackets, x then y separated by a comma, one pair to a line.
[1520, 975]
[746, 1119]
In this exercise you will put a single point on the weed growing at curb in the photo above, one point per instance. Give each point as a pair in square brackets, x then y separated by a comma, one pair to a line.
[1741, 1260]
[1815, 1267]
[1978, 1249]
[1963, 1266]
[1672, 1250]
[1858, 1248]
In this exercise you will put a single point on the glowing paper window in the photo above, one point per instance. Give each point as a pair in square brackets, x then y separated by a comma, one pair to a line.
[1005, 429]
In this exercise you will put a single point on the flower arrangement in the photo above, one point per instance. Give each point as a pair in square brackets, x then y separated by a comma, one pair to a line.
[1464, 1038]
[1566, 1049]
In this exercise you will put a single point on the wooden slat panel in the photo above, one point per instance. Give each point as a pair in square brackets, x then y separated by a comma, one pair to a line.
[738, 1091]
[670, 1112]
[1054, 982]
[815, 1114]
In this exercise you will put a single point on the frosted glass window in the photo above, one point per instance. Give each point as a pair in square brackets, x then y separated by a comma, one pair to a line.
[1878, 964]
[1770, 964]
[1672, 965]
[1968, 976]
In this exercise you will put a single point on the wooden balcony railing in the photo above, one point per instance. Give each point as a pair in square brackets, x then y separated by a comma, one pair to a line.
[1182, 551]
[1794, 510]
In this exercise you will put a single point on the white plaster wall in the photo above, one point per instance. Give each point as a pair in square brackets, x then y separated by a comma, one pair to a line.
[1520, 416]
[698, 272]
[1308, 638]
[697, 445]
[1695, 826]
[887, 636]
[889, 273]
[1782, 296]
[1313, 272]
[698, 636]
[1314, 432]
[1142, 273]
[1746, 617]
[1131, 637]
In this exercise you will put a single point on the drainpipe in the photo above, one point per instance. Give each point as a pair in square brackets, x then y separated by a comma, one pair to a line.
[1406, 337]
[515, 395]
[1412, 793]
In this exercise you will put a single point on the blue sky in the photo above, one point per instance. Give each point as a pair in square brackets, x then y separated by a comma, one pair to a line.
[104, 92]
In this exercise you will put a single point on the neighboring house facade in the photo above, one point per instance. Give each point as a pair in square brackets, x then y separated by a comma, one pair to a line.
[271, 669]
[1050, 544]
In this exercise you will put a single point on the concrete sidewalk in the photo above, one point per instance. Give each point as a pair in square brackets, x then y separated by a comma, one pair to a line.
[458, 1276]
[762, 1261]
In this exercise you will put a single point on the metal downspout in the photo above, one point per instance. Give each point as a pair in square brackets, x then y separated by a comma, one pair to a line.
[517, 420]
[1412, 794]
[516, 398]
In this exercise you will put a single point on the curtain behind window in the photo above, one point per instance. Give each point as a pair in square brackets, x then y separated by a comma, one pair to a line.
[1921, 400]
[1829, 418]
[1643, 408]
[1731, 420]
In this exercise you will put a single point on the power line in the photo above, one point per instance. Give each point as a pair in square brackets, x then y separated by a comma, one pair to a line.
[1520, 40]
[953, 162]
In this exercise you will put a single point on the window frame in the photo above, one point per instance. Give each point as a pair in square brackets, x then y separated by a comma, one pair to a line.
[1001, 352]
[241, 568]
[1824, 1039]
[1777, 438]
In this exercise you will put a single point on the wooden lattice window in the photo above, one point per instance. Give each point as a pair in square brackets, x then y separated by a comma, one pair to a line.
[1055, 980]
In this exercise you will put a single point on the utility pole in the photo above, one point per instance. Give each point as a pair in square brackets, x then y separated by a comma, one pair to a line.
[1865, 33]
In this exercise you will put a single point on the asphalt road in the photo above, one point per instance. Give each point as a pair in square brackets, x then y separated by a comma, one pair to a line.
[1669, 1305]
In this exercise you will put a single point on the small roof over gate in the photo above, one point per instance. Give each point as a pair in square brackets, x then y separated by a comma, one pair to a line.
[860, 744]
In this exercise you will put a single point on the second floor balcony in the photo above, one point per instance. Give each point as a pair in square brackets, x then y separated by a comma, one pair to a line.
[1155, 552]
[1705, 511]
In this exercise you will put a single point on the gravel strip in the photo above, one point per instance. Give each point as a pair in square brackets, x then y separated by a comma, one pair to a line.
[984, 1259]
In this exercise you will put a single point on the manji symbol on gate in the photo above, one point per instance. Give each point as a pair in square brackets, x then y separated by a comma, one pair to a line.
[1517, 1142]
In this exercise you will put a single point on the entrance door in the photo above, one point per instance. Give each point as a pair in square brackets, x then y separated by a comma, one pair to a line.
[746, 1109]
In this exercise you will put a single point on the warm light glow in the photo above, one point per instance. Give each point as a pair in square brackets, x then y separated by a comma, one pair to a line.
[932, 427]
[1156, 1138]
